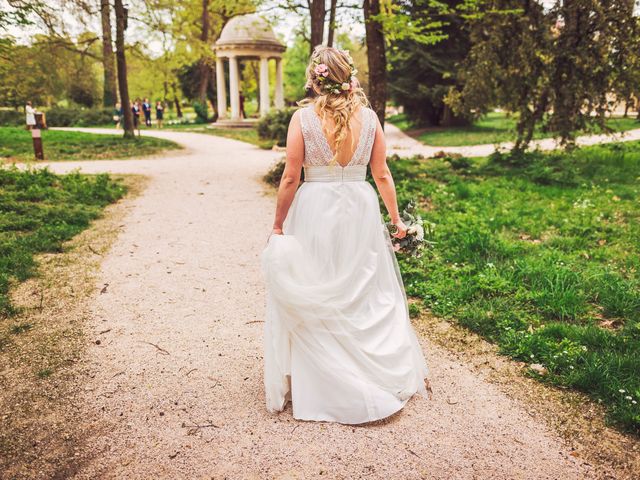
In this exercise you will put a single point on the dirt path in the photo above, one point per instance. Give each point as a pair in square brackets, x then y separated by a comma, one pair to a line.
[175, 385]
[404, 145]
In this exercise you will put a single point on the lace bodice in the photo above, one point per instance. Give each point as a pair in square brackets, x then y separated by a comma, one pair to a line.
[316, 146]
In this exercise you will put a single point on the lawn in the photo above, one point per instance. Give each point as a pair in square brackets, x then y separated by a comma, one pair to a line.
[495, 127]
[16, 145]
[39, 211]
[542, 259]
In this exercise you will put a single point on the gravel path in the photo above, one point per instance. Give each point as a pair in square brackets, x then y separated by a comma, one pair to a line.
[175, 385]
[404, 145]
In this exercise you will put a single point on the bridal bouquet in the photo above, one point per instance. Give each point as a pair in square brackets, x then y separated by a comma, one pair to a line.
[417, 229]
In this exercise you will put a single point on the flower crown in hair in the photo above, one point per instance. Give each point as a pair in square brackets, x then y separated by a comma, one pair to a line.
[320, 75]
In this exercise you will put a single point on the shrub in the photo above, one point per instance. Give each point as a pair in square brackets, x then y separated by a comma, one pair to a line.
[11, 118]
[273, 176]
[78, 117]
[95, 117]
[274, 126]
[202, 112]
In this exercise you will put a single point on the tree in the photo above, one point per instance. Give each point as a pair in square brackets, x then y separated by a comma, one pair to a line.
[295, 60]
[318, 13]
[587, 66]
[377, 58]
[121, 26]
[204, 65]
[14, 15]
[561, 68]
[109, 71]
[423, 73]
[388, 21]
[332, 22]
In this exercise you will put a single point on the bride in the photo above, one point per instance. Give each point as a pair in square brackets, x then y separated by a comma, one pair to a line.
[338, 342]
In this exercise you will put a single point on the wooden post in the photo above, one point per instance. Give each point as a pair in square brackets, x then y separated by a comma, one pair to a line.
[36, 136]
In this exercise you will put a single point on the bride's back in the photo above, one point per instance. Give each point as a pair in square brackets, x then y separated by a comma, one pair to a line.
[320, 137]
[337, 126]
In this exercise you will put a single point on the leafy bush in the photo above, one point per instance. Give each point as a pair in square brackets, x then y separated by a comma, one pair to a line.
[11, 118]
[202, 112]
[274, 175]
[78, 117]
[274, 126]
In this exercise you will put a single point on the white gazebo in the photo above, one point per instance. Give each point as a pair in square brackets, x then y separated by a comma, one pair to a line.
[248, 36]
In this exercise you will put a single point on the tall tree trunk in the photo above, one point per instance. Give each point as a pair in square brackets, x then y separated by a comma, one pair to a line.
[318, 14]
[376, 57]
[121, 26]
[332, 23]
[176, 100]
[204, 64]
[109, 90]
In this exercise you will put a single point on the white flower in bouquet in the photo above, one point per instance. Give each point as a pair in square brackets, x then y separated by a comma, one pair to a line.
[414, 241]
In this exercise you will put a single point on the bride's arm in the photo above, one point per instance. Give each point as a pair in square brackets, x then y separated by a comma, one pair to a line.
[291, 175]
[384, 180]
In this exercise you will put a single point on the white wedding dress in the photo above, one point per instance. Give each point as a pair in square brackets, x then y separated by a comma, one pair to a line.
[337, 340]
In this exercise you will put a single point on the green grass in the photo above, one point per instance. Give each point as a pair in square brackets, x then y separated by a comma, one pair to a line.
[39, 211]
[16, 145]
[493, 128]
[542, 259]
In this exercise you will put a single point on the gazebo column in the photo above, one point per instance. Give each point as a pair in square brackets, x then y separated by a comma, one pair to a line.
[264, 86]
[234, 88]
[221, 88]
[279, 100]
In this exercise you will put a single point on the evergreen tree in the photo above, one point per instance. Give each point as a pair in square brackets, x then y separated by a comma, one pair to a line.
[421, 75]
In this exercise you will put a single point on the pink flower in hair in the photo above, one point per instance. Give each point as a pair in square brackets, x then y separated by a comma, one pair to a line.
[321, 69]
[346, 86]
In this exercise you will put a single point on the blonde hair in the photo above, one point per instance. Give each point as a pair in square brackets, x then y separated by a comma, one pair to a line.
[331, 95]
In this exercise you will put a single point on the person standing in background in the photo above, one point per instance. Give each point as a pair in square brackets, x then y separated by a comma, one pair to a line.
[30, 116]
[117, 114]
[159, 113]
[135, 110]
[146, 109]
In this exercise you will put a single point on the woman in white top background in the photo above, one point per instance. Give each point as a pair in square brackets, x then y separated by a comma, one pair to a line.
[31, 116]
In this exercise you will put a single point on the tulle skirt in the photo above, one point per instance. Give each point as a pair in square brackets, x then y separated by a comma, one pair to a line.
[337, 339]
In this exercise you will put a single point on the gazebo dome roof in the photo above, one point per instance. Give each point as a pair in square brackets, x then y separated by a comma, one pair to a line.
[247, 31]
